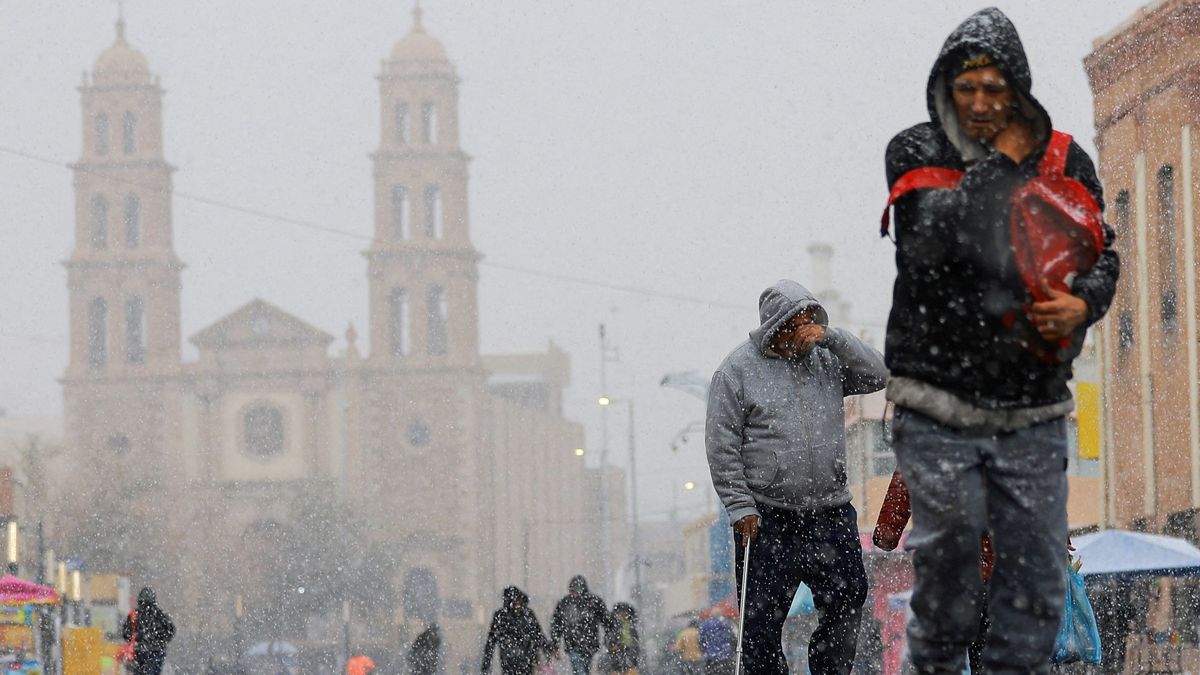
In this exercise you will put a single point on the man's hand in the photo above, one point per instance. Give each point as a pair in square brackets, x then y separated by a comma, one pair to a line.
[747, 528]
[1015, 139]
[1059, 316]
[808, 335]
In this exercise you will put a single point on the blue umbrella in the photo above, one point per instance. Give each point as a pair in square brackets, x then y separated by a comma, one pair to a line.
[1123, 553]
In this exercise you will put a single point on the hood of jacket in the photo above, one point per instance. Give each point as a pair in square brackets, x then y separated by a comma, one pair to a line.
[989, 32]
[776, 306]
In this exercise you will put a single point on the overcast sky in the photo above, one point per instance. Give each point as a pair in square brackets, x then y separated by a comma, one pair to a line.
[687, 148]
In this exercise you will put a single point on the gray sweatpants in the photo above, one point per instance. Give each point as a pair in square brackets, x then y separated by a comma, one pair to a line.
[961, 484]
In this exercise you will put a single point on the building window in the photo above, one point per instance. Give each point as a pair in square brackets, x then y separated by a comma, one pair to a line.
[433, 212]
[97, 333]
[419, 434]
[1168, 304]
[429, 122]
[102, 134]
[437, 333]
[398, 322]
[135, 331]
[133, 221]
[119, 444]
[264, 431]
[402, 123]
[400, 211]
[99, 218]
[129, 132]
[1121, 207]
[1125, 332]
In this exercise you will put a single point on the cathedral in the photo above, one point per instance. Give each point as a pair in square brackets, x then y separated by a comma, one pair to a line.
[445, 458]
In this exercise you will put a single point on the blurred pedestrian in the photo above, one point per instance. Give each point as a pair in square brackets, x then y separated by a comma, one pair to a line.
[980, 341]
[716, 640]
[515, 631]
[776, 444]
[425, 655]
[578, 618]
[624, 645]
[687, 643]
[150, 629]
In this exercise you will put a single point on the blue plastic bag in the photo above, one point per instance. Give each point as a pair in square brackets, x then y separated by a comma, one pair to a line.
[1078, 637]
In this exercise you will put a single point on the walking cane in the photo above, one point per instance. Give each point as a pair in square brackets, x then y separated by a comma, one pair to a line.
[737, 663]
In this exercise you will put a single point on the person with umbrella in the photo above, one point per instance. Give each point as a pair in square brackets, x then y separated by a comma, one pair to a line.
[360, 665]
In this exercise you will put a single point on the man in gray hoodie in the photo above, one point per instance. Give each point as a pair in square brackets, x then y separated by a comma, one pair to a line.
[776, 445]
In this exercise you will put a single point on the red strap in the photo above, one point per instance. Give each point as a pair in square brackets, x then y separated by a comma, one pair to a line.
[1054, 162]
[922, 178]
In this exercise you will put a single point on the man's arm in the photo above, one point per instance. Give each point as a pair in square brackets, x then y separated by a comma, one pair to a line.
[723, 429]
[862, 367]
[1097, 286]
[489, 645]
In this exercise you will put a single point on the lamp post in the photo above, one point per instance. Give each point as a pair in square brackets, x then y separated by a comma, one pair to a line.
[345, 631]
[239, 610]
[77, 595]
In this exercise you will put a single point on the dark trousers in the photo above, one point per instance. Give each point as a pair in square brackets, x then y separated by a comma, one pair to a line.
[821, 549]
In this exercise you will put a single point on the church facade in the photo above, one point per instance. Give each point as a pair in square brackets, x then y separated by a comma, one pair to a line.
[449, 458]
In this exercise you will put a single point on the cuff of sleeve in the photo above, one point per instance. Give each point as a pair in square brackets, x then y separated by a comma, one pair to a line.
[832, 339]
[738, 512]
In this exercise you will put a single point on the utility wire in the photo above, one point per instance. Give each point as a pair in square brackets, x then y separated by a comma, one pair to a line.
[325, 229]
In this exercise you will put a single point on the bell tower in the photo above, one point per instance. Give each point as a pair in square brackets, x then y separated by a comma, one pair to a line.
[123, 275]
[422, 268]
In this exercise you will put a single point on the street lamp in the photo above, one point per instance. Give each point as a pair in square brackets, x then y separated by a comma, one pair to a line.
[689, 485]
[579, 452]
[346, 630]
[239, 610]
[604, 400]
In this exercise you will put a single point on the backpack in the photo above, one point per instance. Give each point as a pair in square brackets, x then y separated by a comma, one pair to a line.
[126, 652]
[1056, 228]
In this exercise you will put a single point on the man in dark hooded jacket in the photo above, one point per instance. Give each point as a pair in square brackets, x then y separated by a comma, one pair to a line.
[153, 628]
[515, 631]
[776, 442]
[577, 621]
[979, 381]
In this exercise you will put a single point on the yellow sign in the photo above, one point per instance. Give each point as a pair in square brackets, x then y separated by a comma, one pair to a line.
[1087, 410]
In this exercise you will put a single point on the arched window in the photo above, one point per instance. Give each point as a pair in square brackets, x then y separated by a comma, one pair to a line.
[420, 595]
[99, 218]
[1121, 207]
[400, 211]
[119, 444]
[398, 324]
[437, 335]
[429, 121]
[133, 221]
[97, 333]
[135, 331]
[102, 131]
[129, 132]
[1168, 301]
[263, 429]
[433, 212]
[402, 122]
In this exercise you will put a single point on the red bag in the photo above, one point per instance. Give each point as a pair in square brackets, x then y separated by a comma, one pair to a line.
[1056, 228]
[125, 653]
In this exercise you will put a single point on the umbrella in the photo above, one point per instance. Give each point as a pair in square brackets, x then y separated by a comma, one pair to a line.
[727, 608]
[273, 648]
[359, 665]
[1123, 553]
[14, 591]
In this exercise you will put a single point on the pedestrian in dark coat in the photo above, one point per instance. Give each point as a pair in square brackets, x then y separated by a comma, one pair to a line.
[154, 630]
[425, 655]
[577, 621]
[980, 361]
[624, 645]
[518, 635]
[776, 442]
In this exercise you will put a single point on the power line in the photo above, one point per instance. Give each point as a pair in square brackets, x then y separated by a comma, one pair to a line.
[325, 229]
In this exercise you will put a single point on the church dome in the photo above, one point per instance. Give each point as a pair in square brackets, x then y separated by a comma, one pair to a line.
[419, 45]
[121, 62]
